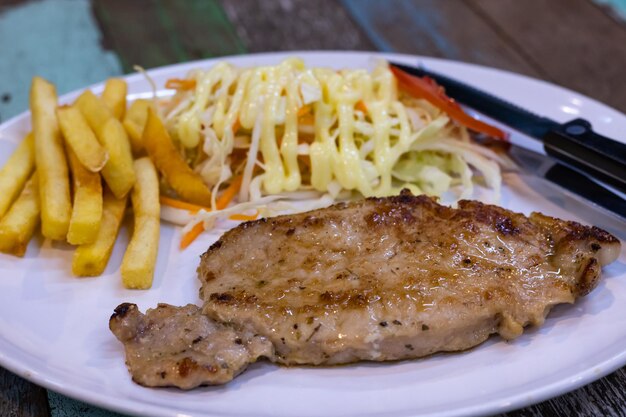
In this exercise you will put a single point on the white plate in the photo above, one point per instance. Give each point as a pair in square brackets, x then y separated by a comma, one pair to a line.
[53, 327]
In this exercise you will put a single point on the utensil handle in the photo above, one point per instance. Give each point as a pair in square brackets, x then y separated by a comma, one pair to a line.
[586, 188]
[577, 145]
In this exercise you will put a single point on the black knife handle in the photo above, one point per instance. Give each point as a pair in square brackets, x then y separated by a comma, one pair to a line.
[581, 185]
[576, 144]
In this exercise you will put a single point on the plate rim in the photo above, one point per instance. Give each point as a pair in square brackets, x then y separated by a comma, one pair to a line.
[139, 408]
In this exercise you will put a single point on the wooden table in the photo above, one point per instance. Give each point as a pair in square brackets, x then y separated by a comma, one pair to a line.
[573, 43]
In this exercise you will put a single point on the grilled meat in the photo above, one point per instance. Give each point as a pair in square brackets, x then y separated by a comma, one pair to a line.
[380, 279]
[180, 346]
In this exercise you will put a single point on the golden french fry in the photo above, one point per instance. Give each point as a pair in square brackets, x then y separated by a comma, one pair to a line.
[81, 139]
[87, 210]
[118, 171]
[187, 184]
[134, 122]
[140, 257]
[54, 182]
[114, 96]
[90, 260]
[18, 226]
[94, 110]
[16, 172]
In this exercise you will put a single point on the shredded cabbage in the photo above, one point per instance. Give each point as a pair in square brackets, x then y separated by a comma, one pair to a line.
[288, 130]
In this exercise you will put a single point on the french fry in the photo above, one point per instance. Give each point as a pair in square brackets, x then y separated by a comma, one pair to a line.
[135, 121]
[187, 184]
[118, 171]
[18, 226]
[87, 209]
[140, 257]
[16, 172]
[54, 182]
[94, 110]
[114, 96]
[90, 260]
[81, 139]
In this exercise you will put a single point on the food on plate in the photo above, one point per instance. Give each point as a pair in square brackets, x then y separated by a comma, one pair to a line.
[242, 143]
[292, 132]
[118, 171]
[95, 143]
[140, 257]
[187, 183]
[87, 207]
[427, 88]
[81, 139]
[114, 96]
[16, 172]
[94, 110]
[181, 347]
[54, 182]
[135, 121]
[221, 204]
[379, 279]
[91, 259]
[18, 225]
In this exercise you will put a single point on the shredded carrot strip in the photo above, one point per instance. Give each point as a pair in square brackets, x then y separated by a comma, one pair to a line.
[306, 120]
[244, 217]
[428, 89]
[223, 201]
[236, 126]
[305, 159]
[360, 105]
[306, 109]
[226, 197]
[180, 84]
[191, 235]
[197, 230]
[191, 208]
[229, 193]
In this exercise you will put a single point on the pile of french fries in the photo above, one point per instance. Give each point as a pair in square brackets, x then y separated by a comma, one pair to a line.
[73, 174]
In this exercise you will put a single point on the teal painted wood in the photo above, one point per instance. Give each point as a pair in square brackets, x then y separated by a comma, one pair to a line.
[618, 6]
[57, 39]
[61, 406]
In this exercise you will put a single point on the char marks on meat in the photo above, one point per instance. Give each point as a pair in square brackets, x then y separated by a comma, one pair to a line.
[380, 279]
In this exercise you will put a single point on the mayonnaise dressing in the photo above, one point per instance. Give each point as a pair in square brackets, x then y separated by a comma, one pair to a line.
[360, 130]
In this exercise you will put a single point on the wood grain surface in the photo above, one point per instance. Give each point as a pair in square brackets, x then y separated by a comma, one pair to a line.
[573, 43]
[295, 25]
[153, 33]
[555, 40]
[442, 29]
[603, 398]
[20, 398]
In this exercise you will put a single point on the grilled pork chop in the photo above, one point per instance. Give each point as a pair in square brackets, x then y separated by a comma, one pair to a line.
[380, 279]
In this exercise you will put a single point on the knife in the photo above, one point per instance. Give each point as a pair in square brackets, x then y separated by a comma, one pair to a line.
[574, 143]
[536, 164]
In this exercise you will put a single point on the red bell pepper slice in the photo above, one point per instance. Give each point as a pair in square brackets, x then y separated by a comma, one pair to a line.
[428, 89]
